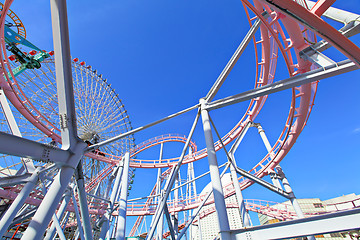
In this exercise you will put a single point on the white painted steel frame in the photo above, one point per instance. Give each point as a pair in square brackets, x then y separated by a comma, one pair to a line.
[245, 218]
[196, 212]
[327, 223]
[284, 180]
[70, 141]
[121, 222]
[312, 76]
[27, 162]
[219, 199]
[160, 225]
[170, 183]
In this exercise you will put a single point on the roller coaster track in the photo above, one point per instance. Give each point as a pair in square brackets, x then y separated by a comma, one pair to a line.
[286, 37]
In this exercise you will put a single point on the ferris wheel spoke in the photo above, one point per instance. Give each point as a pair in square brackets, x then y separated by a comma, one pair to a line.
[110, 119]
[108, 116]
[48, 75]
[87, 97]
[112, 125]
[37, 77]
[99, 104]
[91, 95]
[80, 85]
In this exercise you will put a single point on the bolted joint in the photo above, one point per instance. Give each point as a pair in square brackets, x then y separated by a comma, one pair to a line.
[258, 126]
[274, 175]
[76, 154]
[280, 172]
[203, 103]
[291, 195]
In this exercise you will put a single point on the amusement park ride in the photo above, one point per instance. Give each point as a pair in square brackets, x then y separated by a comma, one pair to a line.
[69, 155]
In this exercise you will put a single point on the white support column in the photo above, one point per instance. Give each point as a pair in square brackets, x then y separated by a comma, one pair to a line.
[160, 225]
[321, 224]
[18, 203]
[285, 183]
[64, 80]
[220, 206]
[240, 199]
[84, 208]
[28, 163]
[78, 217]
[171, 180]
[51, 231]
[51, 200]
[105, 230]
[273, 175]
[245, 218]
[288, 189]
[121, 225]
[175, 215]
[197, 211]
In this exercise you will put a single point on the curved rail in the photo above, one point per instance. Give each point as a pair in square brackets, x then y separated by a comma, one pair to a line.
[269, 45]
[273, 39]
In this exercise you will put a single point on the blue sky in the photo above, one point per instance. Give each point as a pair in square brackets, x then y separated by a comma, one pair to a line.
[162, 56]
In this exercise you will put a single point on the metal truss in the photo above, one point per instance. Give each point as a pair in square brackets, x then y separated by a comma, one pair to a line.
[51, 199]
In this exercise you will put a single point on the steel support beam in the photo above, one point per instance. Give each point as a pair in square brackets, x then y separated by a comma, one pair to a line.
[175, 215]
[58, 228]
[198, 209]
[78, 217]
[18, 202]
[322, 224]
[247, 174]
[318, 26]
[245, 218]
[28, 163]
[30, 149]
[51, 231]
[64, 81]
[105, 229]
[336, 14]
[121, 225]
[55, 218]
[220, 206]
[84, 208]
[351, 28]
[245, 222]
[229, 66]
[95, 146]
[14, 180]
[170, 224]
[161, 205]
[285, 182]
[312, 76]
[316, 57]
[262, 182]
[23, 217]
[51, 200]
[160, 225]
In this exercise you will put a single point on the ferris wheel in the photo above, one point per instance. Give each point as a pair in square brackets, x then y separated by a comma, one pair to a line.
[34, 115]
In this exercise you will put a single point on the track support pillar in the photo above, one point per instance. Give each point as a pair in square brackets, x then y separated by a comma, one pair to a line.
[220, 206]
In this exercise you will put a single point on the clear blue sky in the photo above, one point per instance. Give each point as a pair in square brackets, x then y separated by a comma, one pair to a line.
[162, 56]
